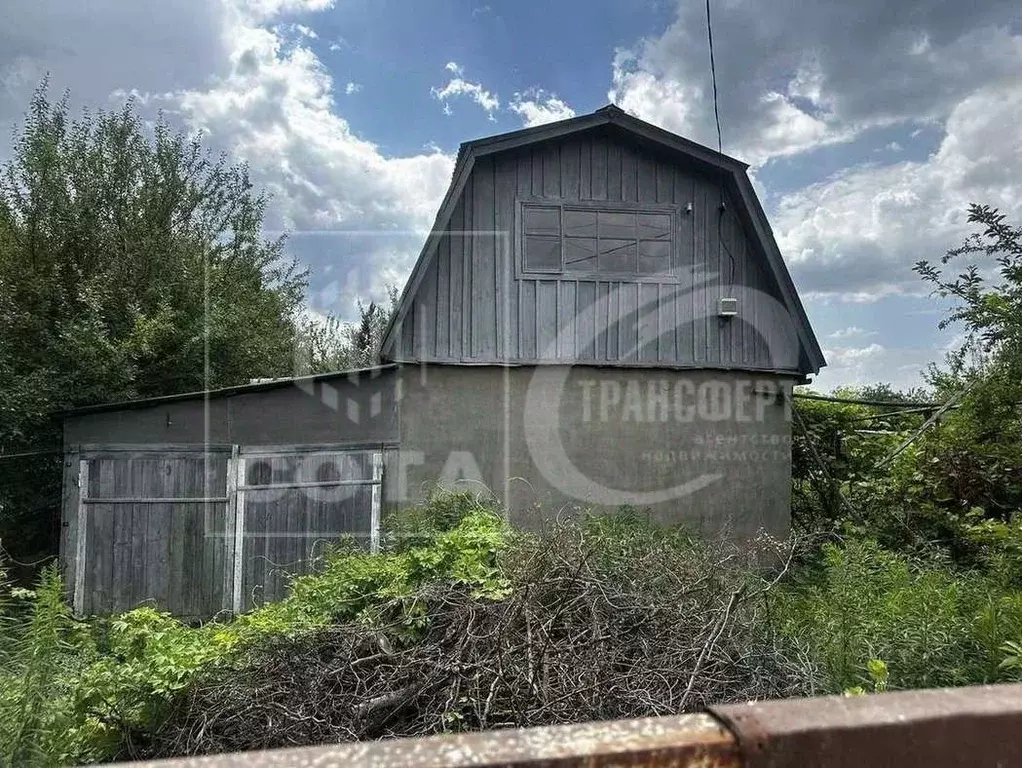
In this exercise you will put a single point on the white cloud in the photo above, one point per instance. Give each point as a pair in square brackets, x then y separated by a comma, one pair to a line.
[859, 366]
[352, 87]
[536, 107]
[458, 86]
[850, 332]
[795, 77]
[273, 107]
[855, 236]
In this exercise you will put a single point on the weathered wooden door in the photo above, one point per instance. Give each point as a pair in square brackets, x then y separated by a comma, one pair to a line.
[151, 531]
[290, 505]
[195, 533]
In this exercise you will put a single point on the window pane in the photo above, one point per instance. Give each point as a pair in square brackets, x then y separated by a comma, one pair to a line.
[543, 253]
[654, 226]
[542, 221]
[617, 225]
[579, 223]
[617, 256]
[654, 257]
[580, 253]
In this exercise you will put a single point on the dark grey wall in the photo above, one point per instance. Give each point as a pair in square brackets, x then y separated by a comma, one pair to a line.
[473, 307]
[335, 411]
[550, 437]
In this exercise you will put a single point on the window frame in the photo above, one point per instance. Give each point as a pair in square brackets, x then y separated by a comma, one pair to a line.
[597, 206]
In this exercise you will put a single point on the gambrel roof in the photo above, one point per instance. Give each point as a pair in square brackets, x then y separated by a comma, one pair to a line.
[732, 173]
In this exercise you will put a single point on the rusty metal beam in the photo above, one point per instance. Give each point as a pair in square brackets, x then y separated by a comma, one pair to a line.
[977, 726]
[974, 726]
[685, 740]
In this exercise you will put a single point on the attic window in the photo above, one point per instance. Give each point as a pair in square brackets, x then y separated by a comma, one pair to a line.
[580, 240]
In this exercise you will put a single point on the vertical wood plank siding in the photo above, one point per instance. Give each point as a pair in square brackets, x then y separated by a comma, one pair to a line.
[472, 306]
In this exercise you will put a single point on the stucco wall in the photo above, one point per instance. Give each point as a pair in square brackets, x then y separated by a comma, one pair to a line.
[339, 410]
[711, 449]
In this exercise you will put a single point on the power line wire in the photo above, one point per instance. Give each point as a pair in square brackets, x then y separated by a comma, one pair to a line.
[722, 210]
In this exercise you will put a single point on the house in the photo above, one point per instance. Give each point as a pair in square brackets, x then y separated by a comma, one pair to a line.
[600, 317]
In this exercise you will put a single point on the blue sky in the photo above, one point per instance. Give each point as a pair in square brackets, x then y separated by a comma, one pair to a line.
[869, 126]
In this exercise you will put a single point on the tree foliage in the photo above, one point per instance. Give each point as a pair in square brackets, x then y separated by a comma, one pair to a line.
[132, 264]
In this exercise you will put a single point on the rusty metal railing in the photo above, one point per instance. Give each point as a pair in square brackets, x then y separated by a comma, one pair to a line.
[977, 726]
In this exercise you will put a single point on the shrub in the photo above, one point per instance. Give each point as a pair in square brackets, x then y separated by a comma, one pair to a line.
[83, 691]
[933, 625]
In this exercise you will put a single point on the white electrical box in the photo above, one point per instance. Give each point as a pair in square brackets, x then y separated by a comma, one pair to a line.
[727, 307]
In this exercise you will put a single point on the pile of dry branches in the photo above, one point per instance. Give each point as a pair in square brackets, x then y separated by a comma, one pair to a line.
[594, 628]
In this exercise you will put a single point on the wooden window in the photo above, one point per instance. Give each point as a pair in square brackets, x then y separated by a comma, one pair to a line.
[542, 238]
[579, 240]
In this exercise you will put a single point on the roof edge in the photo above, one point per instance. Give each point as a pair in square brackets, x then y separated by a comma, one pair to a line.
[237, 389]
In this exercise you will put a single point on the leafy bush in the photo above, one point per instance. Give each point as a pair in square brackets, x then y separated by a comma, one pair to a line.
[932, 625]
[116, 680]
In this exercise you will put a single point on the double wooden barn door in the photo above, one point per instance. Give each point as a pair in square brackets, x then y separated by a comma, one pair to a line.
[195, 533]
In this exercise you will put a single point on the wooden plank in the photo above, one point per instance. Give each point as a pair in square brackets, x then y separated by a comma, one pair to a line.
[505, 182]
[158, 543]
[648, 321]
[602, 321]
[238, 580]
[664, 182]
[570, 167]
[628, 326]
[566, 314]
[546, 319]
[551, 170]
[442, 333]
[103, 539]
[81, 539]
[231, 554]
[139, 515]
[527, 319]
[646, 178]
[587, 319]
[614, 172]
[714, 254]
[484, 306]
[456, 265]
[374, 522]
[598, 169]
[585, 169]
[629, 175]
[69, 502]
[468, 244]
[130, 500]
[207, 514]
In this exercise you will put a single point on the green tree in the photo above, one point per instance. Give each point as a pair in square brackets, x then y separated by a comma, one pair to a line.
[132, 264]
[328, 344]
[981, 461]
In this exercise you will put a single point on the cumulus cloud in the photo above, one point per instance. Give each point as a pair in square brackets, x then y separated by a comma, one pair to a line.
[343, 199]
[851, 332]
[458, 87]
[859, 366]
[856, 235]
[537, 107]
[797, 76]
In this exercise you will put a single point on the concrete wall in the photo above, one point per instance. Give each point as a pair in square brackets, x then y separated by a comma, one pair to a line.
[710, 449]
[337, 410]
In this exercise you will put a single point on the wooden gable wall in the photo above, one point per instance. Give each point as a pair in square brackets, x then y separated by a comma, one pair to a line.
[474, 306]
